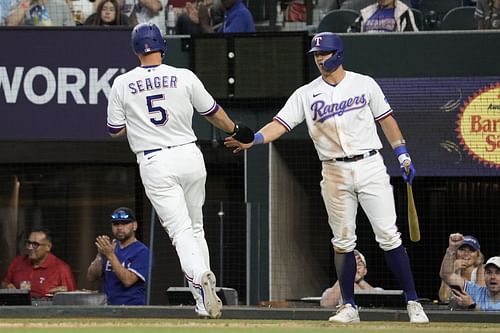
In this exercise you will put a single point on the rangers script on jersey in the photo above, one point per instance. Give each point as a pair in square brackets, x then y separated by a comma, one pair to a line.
[339, 117]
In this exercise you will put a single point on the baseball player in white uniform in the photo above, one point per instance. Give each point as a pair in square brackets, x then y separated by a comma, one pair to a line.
[153, 104]
[341, 109]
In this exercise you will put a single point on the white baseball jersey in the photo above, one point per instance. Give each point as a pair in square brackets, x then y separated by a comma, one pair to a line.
[155, 104]
[339, 118]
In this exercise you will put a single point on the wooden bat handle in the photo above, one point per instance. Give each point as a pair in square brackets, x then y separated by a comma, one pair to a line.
[412, 216]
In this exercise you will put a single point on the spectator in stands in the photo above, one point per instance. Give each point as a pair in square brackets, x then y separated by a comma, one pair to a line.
[468, 264]
[107, 14]
[360, 4]
[123, 262]
[237, 17]
[488, 14]
[152, 11]
[468, 294]
[195, 18]
[39, 13]
[38, 269]
[385, 16]
[332, 297]
[4, 10]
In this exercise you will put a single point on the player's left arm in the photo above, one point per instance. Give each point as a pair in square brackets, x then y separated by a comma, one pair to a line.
[395, 137]
[115, 114]
[118, 134]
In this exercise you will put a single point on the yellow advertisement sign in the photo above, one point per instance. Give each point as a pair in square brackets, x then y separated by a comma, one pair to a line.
[479, 126]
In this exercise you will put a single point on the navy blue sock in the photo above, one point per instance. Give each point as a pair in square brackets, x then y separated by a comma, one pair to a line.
[345, 265]
[399, 263]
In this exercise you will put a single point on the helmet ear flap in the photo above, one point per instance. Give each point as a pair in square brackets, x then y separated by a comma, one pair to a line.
[334, 61]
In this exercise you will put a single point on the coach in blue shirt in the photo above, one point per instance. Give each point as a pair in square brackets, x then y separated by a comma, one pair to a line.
[237, 17]
[123, 262]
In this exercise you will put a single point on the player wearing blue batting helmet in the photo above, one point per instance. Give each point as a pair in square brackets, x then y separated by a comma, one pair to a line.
[329, 42]
[147, 38]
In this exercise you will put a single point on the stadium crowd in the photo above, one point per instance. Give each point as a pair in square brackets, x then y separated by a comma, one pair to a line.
[228, 16]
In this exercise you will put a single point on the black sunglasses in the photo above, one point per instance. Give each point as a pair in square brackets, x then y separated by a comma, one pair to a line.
[120, 215]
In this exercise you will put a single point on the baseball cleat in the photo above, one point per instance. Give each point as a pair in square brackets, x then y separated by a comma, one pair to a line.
[346, 314]
[416, 313]
[212, 302]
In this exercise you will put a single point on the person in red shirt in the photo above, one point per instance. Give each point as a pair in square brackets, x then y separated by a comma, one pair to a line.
[39, 270]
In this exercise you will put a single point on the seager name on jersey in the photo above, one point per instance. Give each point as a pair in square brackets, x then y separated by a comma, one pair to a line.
[322, 111]
[151, 83]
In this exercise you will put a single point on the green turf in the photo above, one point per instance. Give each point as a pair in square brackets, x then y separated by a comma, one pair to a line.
[244, 326]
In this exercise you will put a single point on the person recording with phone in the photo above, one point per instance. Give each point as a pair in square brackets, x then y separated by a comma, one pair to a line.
[467, 294]
[123, 262]
[468, 264]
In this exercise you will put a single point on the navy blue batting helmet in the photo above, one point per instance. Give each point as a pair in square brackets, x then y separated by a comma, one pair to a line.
[328, 41]
[147, 38]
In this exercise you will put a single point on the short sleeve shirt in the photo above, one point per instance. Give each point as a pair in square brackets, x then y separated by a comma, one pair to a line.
[135, 258]
[340, 118]
[53, 272]
[156, 105]
[481, 296]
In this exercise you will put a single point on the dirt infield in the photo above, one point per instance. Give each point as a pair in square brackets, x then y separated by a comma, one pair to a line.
[89, 325]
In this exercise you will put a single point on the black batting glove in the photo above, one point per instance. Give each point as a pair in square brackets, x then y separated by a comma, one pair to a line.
[242, 133]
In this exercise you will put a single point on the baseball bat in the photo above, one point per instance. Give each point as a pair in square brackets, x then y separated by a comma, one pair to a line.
[412, 214]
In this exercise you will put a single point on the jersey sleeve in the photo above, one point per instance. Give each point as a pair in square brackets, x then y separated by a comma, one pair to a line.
[292, 113]
[378, 102]
[201, 99]
[116, 113]
[140, 263]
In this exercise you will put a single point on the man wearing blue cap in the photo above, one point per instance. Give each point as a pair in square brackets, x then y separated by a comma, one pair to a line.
[122, 262]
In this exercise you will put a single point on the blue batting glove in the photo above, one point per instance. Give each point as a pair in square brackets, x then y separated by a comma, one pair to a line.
[405, 163]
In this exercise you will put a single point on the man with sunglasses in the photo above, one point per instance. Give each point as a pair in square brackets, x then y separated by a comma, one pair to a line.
[38, 269]
[122, 262]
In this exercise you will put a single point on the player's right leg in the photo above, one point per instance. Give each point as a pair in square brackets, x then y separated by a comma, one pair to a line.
[160, 179]
[341, 205]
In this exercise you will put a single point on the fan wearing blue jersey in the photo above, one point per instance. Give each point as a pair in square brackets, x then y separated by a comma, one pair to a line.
[123, 262]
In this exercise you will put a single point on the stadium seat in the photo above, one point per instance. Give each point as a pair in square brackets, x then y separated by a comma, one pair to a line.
[434, 11]
[419, 18]
[337, 20]
[460, 18]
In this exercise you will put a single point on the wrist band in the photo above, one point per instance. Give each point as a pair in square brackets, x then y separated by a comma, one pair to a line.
[397, 143]
[258, 138]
